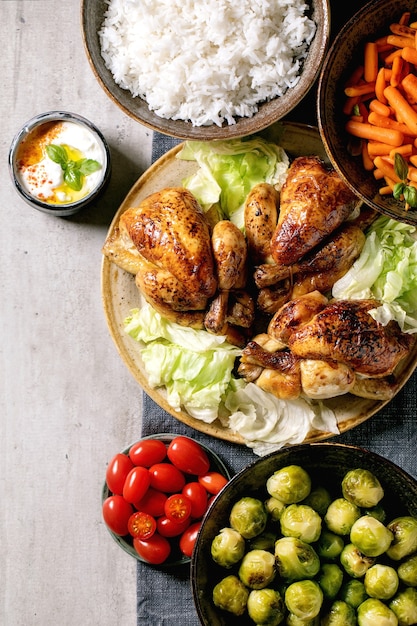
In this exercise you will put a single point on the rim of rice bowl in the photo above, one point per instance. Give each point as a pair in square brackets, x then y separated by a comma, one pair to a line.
[206, 63]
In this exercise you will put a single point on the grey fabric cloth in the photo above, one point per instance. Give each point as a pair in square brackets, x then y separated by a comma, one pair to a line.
[164, 598]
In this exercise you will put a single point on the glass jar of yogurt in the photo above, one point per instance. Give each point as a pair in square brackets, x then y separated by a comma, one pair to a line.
[59, 162]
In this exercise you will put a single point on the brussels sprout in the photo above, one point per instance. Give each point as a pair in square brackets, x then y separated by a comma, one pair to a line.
[353, 592]
[404, 543]
[304, 598]
[381, 581]
[230, 594]
[257, 569]
[330, 580]
[275, 508]
[319, 499]
[404, 606]
[227, 547]
[361, 487]
[373, 612]
[248, 516]
[407, 571]
[339, 614]
[296, 559]
[264, 541]
[300, 520]
[294, 620]
[378, 512]
[289, 484]
[354, 562]
[266, 607]
[329, 545]
[371, 537]
[341, 515]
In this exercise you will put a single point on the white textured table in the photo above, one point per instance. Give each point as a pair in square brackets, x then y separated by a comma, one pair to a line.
[67, 401]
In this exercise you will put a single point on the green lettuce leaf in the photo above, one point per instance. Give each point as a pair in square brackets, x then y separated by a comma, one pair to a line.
[194, 366]
[386, 270]
[229, 169]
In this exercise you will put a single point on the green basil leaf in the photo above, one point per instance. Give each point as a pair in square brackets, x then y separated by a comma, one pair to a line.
[73, 178]
[410, 196]
[400, 166]
[88, 166]
[356, 110]
[57, 154]
[398, 190]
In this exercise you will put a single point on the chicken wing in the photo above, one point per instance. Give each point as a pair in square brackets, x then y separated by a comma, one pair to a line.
[314, 202]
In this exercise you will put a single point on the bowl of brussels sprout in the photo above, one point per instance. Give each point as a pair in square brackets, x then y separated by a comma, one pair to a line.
[316, 534]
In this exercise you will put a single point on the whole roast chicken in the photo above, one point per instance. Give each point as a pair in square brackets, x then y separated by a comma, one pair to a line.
[323, 349]
[166, 243]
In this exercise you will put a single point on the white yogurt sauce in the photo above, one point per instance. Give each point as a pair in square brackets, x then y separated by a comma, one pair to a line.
[42, 178]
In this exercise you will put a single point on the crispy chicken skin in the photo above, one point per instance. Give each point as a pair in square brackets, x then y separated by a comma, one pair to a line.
[344, 331]
[314, 201]
[169, 229]
[261, 215]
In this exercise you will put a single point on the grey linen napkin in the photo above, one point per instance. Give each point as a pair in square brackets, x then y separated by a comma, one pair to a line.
[164, 598]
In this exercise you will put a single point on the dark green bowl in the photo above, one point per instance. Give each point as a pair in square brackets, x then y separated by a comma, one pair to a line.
[326, 463]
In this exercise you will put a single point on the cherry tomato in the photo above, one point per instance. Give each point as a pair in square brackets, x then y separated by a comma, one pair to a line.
[148, 452]
[116, 513]
[178, 507]
[152, 502]
[141, 525]
[166, 477]
[213, 482]
[198, 496]
[136, 484]
[168, 528]
[188, 538]
[117, 470]
[154, 550]
[188, 456]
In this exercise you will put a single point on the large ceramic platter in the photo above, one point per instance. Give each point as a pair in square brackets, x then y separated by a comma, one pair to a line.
[120, 294]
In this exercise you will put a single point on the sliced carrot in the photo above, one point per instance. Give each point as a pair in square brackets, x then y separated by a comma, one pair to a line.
[407, 114]
[379, 107]
[377, 148]
[409, 54]
[387, 122]
[386, 168]
[380, 85]
[397, 69]
[360, 90]
[409, 85]
[367, 131]
[370, 62]
[400, 41]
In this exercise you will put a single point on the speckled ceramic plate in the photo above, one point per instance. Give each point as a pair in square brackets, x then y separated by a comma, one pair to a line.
[120, 294]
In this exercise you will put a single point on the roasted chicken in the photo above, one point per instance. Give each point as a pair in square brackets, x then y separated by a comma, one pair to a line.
[314, 201]
[232, 308]
[166, 242]
[333, 347]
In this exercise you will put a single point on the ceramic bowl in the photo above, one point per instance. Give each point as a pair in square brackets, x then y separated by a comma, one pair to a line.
[92, 17]
[27, 155]
[176, 558]
[326, 463]
[344, 55]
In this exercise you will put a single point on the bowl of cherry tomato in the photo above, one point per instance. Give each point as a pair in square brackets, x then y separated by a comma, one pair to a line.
[156, 494]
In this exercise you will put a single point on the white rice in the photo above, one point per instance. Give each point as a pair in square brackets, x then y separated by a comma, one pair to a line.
[206, 61]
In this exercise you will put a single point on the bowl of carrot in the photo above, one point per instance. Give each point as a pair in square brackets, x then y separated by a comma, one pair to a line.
[367, 106]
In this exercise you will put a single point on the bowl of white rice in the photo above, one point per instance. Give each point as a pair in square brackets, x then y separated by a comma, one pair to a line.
[206, 70]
